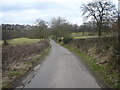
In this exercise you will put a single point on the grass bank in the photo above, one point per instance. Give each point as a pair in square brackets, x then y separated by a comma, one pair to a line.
[103, 71]
[16, 65]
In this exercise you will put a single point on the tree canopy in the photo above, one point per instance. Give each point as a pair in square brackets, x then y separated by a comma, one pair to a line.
[99, 10]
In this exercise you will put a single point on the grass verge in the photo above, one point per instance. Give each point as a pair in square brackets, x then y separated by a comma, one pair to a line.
[102, 71]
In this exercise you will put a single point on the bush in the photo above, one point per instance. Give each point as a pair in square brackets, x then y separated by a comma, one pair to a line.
[67, 40]
[60, 40]
[6, 42]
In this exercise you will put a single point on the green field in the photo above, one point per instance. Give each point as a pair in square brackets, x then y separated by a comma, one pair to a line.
[77, 34]
[21, 41]
[80, 37]
[1, 42]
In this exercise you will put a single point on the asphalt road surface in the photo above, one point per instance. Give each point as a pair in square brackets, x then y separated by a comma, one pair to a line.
[62, 69]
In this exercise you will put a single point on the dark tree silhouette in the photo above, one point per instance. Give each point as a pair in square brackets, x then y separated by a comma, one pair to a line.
[100, 10]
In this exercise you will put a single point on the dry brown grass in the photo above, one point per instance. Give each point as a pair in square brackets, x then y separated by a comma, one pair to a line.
[16, 59]
[99, 48]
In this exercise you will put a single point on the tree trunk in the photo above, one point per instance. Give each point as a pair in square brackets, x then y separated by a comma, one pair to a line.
[83, 33]
[118, 47]
[99, 26]
[99, 32]
[5, 42]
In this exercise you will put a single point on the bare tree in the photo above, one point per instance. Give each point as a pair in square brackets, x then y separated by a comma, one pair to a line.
[40, 29]
[60, 27]
[118, 48]
[100, 10]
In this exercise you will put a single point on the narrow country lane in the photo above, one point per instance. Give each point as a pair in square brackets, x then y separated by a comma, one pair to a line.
[62, 69]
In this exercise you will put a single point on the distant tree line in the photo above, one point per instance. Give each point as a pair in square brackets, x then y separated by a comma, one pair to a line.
[15, 27]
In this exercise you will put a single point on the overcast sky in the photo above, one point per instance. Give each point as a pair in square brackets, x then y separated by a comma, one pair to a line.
[27, 11]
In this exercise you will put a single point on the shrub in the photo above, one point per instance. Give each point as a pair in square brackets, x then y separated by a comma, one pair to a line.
[6, 42]
[67, 39]
[60, 40]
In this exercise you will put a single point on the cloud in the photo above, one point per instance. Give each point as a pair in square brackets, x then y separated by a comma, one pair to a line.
[27, 11]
